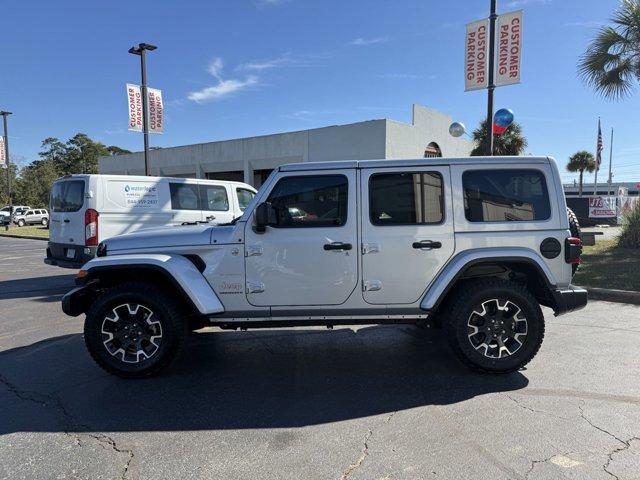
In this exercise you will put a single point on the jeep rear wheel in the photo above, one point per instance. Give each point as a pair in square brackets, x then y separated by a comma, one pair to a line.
[494, 325]
[134, 330]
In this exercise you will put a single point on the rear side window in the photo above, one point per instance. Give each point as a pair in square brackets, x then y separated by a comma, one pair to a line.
[244, 197]
[406, 198]
[67, 196]
[214, 197]
[505, 196]
[310, 201]
[184, 196]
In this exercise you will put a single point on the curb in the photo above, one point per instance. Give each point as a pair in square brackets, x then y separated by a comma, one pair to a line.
[610, 295]
[28, 237]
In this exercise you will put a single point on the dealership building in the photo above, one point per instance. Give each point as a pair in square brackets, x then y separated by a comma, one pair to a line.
[251, 159]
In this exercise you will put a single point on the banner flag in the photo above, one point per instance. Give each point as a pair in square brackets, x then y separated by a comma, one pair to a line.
[508, 48]
[3, 159]
[134, 99]
[476, 56]
[155, 110]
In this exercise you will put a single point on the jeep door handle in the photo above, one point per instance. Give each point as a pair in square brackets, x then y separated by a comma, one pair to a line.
[426, 244]
[66, 220]
[337, 246]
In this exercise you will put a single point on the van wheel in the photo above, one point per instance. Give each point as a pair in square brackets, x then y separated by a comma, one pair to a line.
[44, 222]
[21, 223]
[134, 330]
[494, 326]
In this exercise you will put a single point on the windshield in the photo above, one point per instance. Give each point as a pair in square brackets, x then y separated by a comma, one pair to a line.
[67, 196]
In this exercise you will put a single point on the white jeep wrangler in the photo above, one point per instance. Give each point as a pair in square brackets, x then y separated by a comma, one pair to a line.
[474, 245]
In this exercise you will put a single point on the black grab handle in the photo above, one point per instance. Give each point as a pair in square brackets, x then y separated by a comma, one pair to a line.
[427, 244]
[337, 246]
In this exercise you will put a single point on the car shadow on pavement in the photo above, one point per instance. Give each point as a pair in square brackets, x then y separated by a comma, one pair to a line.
[52, 285]
[237, 380]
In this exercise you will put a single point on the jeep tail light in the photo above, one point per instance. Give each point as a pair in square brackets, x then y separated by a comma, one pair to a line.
[90, 227]
[573, 250]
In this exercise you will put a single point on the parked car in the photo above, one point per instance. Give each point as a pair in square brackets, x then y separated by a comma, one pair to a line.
[6, 214]
[31, 217]
[473, 245]
[86, 209]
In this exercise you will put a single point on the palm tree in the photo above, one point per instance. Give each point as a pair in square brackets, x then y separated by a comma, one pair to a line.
[611, 63]
[579, 162]
[511, 142]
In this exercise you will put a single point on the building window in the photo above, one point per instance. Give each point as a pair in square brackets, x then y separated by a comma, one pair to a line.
[231, 176]
[406, 198]
[432, 151]
[505, 196]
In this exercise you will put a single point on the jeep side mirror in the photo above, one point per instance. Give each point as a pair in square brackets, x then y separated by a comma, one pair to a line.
[265, 215]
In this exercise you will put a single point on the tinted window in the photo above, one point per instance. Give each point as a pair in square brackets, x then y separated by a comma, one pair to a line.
[184, 196]
[505, 196]
[244, 197]
[406, 198]
[313, 201]
[67, 196]
[214, 197]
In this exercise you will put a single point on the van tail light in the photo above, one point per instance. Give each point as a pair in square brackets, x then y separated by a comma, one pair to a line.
[90, 227]
[573, 250]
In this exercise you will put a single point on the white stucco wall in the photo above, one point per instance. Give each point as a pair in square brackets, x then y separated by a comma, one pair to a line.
[372, 139]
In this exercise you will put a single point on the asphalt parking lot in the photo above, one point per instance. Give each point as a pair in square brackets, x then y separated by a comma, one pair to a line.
[380, 402]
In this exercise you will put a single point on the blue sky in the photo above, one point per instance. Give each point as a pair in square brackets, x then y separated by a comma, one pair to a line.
[248, 67]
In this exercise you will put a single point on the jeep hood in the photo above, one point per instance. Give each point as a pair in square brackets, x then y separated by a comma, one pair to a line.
[173, 236]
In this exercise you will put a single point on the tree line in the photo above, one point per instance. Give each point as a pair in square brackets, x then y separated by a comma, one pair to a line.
[31, 184]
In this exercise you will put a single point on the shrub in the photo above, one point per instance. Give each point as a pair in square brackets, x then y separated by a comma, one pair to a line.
[630, 236]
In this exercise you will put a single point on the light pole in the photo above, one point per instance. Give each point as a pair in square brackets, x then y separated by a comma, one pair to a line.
[6, 154]
[140, 50]
[491, 87]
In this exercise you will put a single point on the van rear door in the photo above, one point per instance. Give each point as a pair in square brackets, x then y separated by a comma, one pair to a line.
[67, 212]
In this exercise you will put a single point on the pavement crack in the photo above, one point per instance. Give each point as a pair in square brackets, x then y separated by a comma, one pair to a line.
[363, 454]
[624, 444]
[522, 405]
[70, 423]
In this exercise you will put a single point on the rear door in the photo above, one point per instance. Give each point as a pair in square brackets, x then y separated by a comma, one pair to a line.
[67, 211]
[407, 231]
[216, 202]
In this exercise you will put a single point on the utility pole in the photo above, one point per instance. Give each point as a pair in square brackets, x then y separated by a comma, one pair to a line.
[140, 50]
[492, 45]
[6, 154]
[610, 162]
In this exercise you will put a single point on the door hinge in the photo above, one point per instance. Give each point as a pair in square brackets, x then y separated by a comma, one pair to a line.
[370, 248]
[371, 285]
[253, 250]
[255, 287]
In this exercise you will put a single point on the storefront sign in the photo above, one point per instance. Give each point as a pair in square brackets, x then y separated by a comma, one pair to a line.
[602, 207]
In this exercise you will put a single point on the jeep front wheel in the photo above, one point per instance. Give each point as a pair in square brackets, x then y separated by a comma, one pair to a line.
[134, 330]
[494, 325]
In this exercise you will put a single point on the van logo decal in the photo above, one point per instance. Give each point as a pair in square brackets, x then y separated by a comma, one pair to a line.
[127, 188]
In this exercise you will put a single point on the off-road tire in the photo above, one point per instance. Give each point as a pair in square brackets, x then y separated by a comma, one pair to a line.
[574, 228]
[467, 298]
[166, 310]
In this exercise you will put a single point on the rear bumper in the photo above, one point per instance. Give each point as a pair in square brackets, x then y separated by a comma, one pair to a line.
[569, 299]
[67, 255]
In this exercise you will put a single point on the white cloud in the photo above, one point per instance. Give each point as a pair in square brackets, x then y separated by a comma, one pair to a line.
[224, 87]
[286, 60]
[361, 42]
[398, 75]
[522, 3]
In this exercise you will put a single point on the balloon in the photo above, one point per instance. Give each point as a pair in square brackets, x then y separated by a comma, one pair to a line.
[503, 117]
[456, 129]
[498, 130]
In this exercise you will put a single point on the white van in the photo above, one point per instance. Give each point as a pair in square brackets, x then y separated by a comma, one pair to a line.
[86, 209]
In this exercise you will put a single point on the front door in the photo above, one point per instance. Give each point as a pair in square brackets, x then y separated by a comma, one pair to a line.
[310, 256]
[407, 231]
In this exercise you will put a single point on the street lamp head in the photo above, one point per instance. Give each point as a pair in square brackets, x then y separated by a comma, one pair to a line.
[142, 46]
[4, 114]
